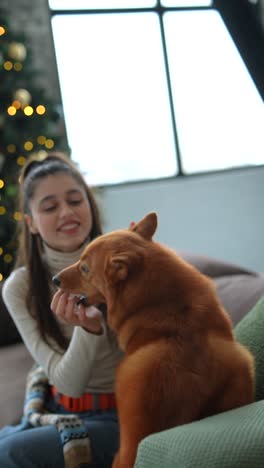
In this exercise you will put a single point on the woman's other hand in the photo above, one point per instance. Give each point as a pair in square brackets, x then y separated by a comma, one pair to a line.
[66, 309]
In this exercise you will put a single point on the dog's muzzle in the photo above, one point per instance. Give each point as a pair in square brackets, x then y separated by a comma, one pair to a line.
[82, 299]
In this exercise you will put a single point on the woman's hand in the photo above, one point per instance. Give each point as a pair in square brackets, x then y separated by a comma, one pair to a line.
[65, 307]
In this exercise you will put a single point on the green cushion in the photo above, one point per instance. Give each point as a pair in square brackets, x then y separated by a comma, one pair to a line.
[250, 332]
[231, 439]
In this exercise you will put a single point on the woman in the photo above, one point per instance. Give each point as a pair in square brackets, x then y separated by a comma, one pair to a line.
[69, 414]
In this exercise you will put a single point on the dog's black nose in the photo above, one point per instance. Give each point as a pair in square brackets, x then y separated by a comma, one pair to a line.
[56, 280]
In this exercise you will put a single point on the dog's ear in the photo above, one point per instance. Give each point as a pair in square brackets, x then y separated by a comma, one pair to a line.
[119, 266]
[147, 226]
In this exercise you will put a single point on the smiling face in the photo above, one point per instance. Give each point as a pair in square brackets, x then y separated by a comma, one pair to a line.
[60, 212]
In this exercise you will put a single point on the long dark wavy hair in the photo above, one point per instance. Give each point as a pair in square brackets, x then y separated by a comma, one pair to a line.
[30, 246]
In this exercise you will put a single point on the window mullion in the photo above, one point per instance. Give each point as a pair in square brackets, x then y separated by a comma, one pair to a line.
[172, 109]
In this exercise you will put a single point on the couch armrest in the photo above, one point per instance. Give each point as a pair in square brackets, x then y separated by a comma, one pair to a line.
[234, 438]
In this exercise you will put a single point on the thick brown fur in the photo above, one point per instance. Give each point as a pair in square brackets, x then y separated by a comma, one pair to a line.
[181, 360]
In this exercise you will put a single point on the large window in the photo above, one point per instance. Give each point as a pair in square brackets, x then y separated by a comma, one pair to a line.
[152, 90]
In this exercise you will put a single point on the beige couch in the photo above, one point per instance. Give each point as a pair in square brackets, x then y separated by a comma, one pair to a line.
[239, 289]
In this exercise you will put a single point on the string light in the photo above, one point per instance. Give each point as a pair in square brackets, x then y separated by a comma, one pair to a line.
[1, 183]
[2, 210]
[40, 109]
[8, 65]
[28, 110]
[28, 145]
[16, 104]
[8, 258]
[1, 277]
[11, 110]
[18, 216]
[23, 96]
[17, 51]
[11, 148]
[42, 154]
[21, 160]
[18, 66]
[41, 140]
[2, 30]
[1, 251]
[49, 143]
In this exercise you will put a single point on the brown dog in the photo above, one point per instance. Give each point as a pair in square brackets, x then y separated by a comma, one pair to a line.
[181, 360]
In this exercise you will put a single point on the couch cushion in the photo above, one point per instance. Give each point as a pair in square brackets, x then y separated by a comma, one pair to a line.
[239, 289]
[214, 267]
[250, 332]
[239, 293]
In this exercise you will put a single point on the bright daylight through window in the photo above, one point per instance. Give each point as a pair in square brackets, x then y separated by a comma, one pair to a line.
[148, 94]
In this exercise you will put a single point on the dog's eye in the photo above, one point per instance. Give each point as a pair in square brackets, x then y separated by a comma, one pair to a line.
[84, 268]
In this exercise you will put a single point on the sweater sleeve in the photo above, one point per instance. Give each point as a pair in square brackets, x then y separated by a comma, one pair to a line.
[69, 372]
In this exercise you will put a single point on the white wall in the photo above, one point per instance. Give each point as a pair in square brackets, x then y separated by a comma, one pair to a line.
[219, 214]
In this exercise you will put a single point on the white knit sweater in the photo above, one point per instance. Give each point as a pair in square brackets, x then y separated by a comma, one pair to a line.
[90, 361]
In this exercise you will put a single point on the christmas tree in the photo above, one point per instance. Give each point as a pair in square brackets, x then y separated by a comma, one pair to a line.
[29, 123]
